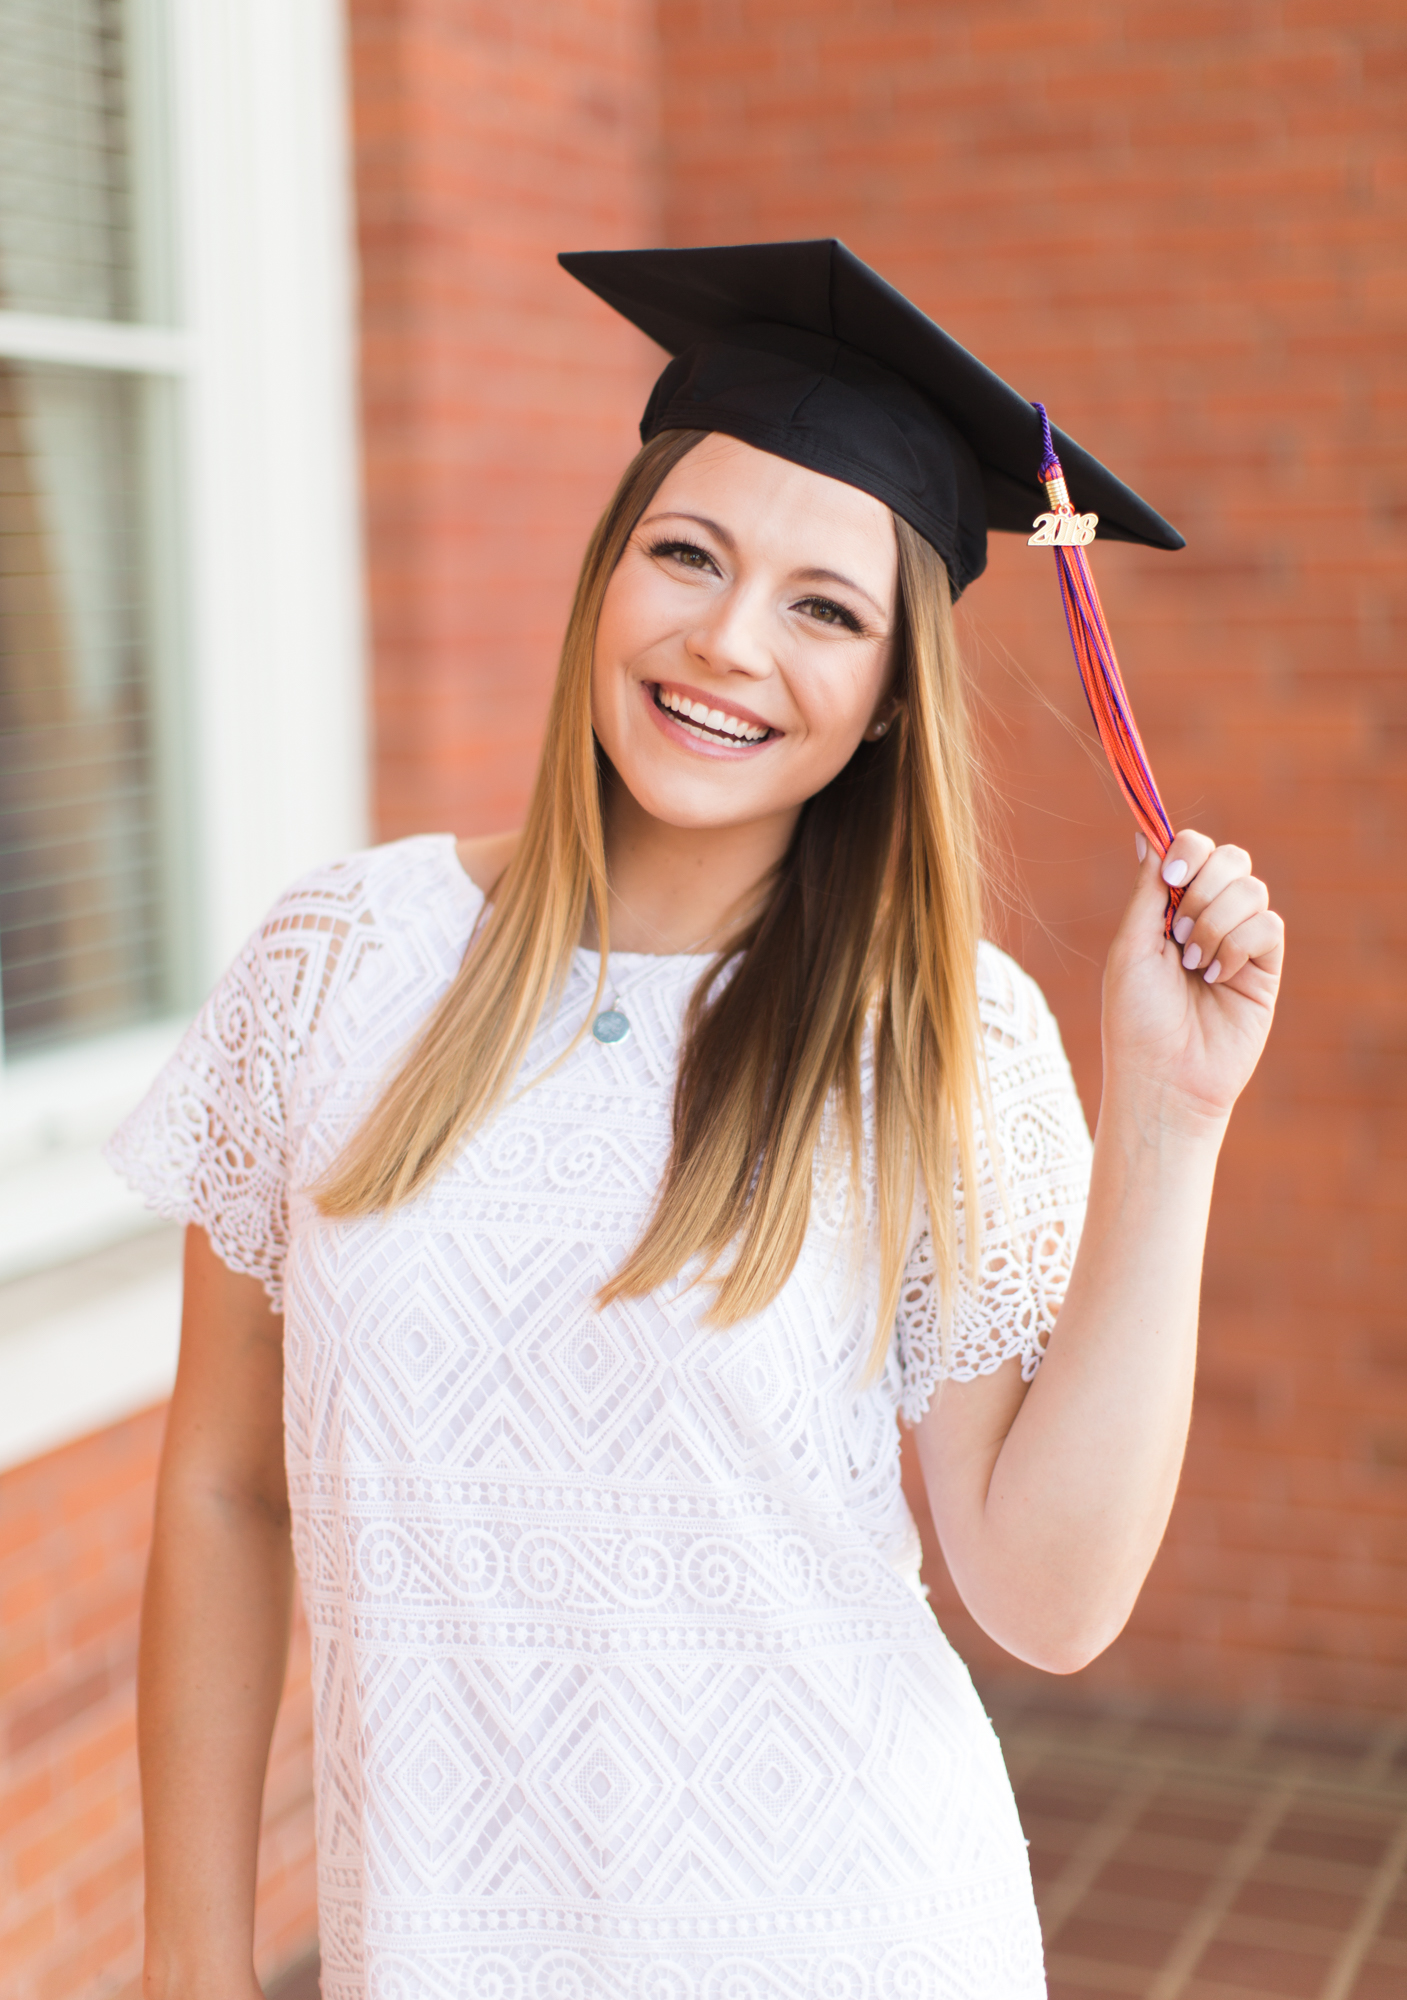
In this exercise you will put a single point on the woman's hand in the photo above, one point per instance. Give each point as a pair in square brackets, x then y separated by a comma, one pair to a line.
[1186, 1018]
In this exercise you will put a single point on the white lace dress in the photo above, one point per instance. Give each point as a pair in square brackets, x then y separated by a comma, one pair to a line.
[623, 1690]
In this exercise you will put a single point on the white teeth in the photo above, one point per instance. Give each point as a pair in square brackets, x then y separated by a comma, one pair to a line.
[716, 720]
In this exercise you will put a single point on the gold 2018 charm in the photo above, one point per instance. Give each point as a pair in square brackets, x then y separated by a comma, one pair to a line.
[1063, 531]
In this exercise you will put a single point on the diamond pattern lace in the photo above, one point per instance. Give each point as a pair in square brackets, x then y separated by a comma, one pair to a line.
[622, 1689]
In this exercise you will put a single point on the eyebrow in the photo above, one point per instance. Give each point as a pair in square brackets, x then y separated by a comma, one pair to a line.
[717, 529]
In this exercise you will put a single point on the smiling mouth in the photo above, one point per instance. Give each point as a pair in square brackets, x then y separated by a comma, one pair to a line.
[710, 725]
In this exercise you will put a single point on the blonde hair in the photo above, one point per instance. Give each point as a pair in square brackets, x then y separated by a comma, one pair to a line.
[871, 923]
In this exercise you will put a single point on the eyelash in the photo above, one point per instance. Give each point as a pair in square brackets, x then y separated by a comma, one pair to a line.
[675, 546]
[842, 617]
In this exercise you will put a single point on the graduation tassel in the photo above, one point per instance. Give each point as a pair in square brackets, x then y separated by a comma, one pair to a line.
[1069, 533]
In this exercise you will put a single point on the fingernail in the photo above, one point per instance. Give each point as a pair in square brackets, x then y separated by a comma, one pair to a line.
[1212, 970]
[1140, 847]
[1182, 929]
[1192, 957]
[1174, 873]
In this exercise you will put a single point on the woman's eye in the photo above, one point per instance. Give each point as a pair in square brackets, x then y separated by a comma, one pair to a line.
[828, 612]
[687, 554]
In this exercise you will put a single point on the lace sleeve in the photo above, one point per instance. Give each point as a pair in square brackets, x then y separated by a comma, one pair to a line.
[209, 1142]
[1031, 1211]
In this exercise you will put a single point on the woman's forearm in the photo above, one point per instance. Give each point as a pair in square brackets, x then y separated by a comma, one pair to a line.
[213, 1652]
[1051, 1503]
[1051, 1556]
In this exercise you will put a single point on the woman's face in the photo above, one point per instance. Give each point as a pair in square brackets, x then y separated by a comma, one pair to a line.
[745, 643]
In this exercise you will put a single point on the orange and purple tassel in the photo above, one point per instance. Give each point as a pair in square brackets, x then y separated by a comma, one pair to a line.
[1067, 533]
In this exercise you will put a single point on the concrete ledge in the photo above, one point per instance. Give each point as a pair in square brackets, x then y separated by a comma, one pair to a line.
[88, 1343]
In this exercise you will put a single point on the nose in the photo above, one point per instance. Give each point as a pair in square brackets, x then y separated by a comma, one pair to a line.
[732, 636]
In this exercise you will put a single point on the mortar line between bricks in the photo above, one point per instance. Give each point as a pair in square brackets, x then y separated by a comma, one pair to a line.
[1275, 1933]
[1391, 1795]
[1245, 1852]
[1354, 1949]
[1095, 1847]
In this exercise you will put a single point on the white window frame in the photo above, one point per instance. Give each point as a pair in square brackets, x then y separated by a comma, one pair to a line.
[266, 622]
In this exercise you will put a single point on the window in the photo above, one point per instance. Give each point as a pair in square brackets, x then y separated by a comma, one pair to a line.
[181, 705]
[89, 813]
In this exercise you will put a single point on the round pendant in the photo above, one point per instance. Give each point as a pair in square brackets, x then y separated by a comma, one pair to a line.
[610, 1026]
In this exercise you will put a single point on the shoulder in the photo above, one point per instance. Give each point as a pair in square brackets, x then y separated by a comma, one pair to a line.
[1031, 1108]
[484, 857]
[371, 884]
[1012, 1009]
[407, 900]
[405, 883]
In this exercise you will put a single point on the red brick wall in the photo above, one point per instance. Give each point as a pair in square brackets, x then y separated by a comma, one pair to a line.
[74, 1528]
[1182, 227]
[499, 398]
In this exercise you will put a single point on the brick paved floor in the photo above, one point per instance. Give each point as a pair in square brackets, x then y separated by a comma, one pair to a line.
[1178, 1858]
[1184, 1859]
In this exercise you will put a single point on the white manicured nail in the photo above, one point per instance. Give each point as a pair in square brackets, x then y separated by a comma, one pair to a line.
[1174, 873]
[1140, 847]
[1182, 929]
[1192, 957]
[1212, 970]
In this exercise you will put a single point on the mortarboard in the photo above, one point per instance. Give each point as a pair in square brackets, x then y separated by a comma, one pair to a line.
[802, 350]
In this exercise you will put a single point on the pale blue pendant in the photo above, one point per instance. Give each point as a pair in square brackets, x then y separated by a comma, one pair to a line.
[610, 1026]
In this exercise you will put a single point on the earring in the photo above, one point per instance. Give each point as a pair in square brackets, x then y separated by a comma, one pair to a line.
[879, 730]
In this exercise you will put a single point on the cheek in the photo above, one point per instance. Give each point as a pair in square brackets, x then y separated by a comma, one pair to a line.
[837, 697]
[613, 649]
[639, 610]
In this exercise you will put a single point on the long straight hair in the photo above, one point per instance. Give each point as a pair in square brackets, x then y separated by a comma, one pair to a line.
[869, 928]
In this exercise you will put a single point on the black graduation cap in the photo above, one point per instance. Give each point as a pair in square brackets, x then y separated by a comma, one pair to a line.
[802, 350]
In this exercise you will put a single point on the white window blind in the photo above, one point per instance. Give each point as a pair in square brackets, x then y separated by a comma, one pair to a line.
[65, 195]
[89, 826]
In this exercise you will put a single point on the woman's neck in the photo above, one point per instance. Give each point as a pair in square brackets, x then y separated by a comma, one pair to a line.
[680, 889]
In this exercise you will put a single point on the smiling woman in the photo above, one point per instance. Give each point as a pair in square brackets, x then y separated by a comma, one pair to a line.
[593, 1345]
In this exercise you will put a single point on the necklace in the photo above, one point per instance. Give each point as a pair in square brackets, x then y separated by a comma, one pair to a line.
[611, 1024]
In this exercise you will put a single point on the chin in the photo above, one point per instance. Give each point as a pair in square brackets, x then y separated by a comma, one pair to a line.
[681, 805]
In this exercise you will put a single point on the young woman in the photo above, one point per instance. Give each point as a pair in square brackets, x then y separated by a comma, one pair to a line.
[572, 1211]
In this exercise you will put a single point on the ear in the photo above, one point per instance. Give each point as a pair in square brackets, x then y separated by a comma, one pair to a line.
[883, 718]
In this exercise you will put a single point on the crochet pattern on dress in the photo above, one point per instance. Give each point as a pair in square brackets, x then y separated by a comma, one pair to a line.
[622, 1687]
[1033, 1162]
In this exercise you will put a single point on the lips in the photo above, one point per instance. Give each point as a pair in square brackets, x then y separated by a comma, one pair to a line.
[710, 722]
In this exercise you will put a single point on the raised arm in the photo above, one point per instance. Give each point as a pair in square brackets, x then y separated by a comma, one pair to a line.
[214, 1636]
[1051, 1501]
